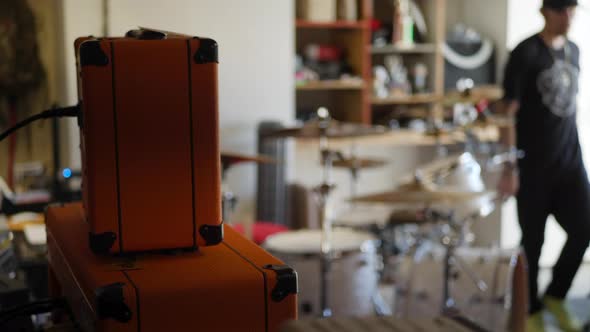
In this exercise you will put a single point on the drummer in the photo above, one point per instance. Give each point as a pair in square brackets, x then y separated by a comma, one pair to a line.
[541, 85]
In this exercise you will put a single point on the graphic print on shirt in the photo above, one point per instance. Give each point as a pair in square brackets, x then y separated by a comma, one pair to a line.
[558, 87]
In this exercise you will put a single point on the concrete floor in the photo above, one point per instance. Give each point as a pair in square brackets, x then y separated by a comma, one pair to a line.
[578, 297]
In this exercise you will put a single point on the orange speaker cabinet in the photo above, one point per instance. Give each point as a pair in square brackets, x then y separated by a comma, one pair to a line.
[235, 286]
[149, 141]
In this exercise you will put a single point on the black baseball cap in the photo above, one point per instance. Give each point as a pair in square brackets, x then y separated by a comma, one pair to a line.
[559, 4]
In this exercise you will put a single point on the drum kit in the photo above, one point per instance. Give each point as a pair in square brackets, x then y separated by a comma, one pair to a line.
[429, 215]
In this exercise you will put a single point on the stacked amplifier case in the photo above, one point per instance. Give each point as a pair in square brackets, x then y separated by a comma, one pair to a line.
[146, 250]
[234, 286]
[149, 140]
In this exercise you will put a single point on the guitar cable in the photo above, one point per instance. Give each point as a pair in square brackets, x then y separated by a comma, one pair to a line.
[69, 111]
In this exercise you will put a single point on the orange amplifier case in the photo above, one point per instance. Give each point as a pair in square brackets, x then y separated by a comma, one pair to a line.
[149, 141]
[235, 286]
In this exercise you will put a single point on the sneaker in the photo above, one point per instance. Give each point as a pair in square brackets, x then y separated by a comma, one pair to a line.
[535, 322]
[566, 320]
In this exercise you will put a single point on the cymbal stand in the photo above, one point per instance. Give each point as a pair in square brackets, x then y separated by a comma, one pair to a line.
[354, 173]
[441, 150]
[322, 195]
[451, 238]
[229, 200]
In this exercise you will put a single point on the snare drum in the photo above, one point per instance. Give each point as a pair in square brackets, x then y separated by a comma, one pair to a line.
[502, 307]
[353, 278]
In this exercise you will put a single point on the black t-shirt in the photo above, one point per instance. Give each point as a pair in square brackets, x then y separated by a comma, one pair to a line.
[545, 83]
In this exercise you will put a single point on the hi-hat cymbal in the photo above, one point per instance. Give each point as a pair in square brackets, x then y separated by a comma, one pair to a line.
[334, 129]
[358, 163]
[230, 158]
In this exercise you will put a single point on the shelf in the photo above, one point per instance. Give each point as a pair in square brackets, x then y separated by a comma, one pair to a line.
[302, 24]
[405, 49]
[425, 98]
[331, 85]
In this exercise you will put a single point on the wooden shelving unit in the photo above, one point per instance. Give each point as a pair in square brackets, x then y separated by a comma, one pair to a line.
[303, 24]
[346, 100]
[354, 101]
[427, 51]
[331, 85]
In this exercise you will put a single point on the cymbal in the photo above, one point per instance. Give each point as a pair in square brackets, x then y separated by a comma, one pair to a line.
[419, 193]
[439, 165]
[490, 93]
[335, 129]
[230, 158]
[440, 132]
[420, 197]
[358, 163]
[500, 121]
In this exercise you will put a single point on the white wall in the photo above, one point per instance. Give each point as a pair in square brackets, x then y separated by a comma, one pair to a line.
[80, 18]
[486, 17]
[256, 61]
[524, 19]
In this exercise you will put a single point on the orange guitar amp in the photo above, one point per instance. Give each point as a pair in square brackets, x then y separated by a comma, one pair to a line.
[149, 141]
[234, 286]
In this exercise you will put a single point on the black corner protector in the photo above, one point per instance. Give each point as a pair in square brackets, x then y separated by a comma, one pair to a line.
[207, 51]
[110, 303]
[91, 54]
[286, 282]
[101, 244]
[213, 234]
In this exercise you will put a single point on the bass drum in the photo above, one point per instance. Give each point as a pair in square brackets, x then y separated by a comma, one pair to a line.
[502, 306]
[352, 281]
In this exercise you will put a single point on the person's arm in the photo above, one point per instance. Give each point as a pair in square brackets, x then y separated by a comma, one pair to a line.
[508, 107]
[509, 181]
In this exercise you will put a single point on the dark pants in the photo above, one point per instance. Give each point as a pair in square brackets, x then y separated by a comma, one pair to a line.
[567, 197]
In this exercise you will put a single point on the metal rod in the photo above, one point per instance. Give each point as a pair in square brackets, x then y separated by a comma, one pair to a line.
[323, 193]
[448, 302]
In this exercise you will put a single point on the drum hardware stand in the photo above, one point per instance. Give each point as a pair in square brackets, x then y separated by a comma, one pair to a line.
[228, 199]
[451, 242]
[322, 193]
[354, 174]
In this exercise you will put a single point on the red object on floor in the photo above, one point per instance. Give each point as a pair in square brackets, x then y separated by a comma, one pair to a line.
[261, 230]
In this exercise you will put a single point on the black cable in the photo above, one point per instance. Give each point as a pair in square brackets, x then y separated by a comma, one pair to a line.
[32, 308]
[38, 307]
[70, 111]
